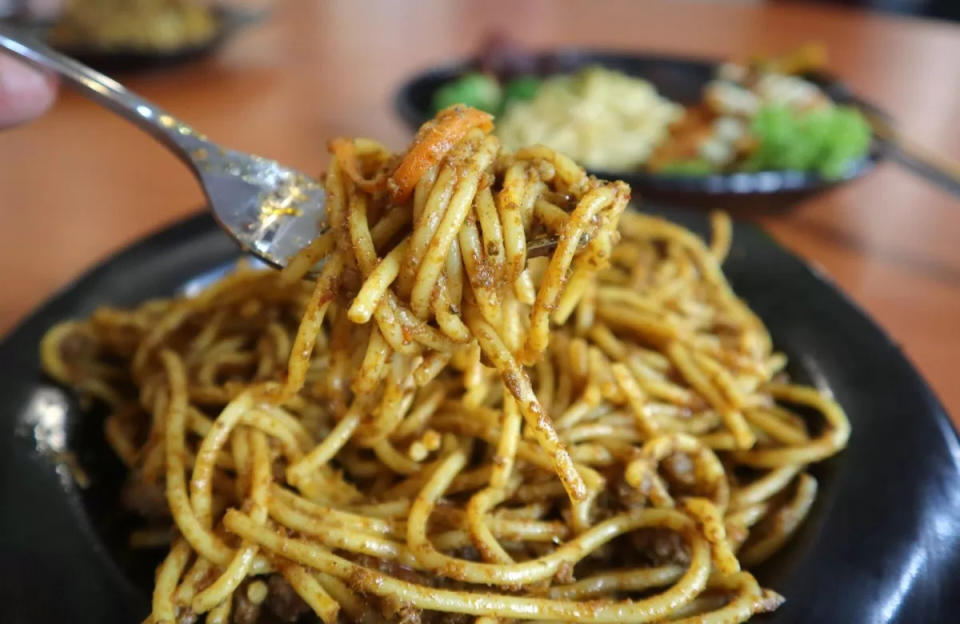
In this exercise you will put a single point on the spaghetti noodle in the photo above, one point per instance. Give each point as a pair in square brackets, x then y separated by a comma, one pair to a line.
[406, 438]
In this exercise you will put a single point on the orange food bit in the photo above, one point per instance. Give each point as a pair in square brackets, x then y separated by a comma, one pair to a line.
[433, 141]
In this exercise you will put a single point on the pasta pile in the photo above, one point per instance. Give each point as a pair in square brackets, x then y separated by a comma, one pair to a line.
[437, 428]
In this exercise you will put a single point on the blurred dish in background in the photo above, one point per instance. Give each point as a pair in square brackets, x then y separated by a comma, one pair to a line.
[142, 25]
[134, 34]
[750, 117]
[693, 130]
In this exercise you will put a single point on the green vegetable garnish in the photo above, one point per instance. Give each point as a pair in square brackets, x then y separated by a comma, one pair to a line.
[476, 90]
[522, 88]
[825, 140]
[688, 167]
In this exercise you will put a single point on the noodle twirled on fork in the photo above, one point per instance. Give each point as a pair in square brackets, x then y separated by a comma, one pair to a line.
[436, 424]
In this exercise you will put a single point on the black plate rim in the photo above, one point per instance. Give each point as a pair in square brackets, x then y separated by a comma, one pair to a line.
[757, 183]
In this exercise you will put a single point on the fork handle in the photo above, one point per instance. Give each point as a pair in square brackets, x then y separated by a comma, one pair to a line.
[106, 91]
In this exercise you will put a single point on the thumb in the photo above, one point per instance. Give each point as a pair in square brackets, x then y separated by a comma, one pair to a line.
[24, 92]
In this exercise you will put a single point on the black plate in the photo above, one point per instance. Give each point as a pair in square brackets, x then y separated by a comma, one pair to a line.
[677, 78]
[229, 21]
[882, 543]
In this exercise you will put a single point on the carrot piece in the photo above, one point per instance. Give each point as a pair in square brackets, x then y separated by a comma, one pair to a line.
[433, 141]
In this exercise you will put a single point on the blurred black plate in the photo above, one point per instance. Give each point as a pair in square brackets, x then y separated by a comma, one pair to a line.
[230, 20]
[882, 543]
[677, 78]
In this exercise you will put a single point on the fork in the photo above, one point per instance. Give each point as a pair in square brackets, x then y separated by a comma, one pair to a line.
[271, 210]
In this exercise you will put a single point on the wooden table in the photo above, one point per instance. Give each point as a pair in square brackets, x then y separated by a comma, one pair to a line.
[79, 184]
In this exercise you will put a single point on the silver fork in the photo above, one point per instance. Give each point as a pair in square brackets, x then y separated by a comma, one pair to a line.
[270, 210]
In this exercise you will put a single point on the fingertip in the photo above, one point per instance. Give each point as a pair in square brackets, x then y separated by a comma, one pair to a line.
[24, 92]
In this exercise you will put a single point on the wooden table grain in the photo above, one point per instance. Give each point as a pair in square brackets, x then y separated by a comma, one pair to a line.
[78, 184]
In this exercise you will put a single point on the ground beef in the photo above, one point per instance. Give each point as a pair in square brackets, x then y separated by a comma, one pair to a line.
[244, 611]
[657, 547]
[282, 601]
